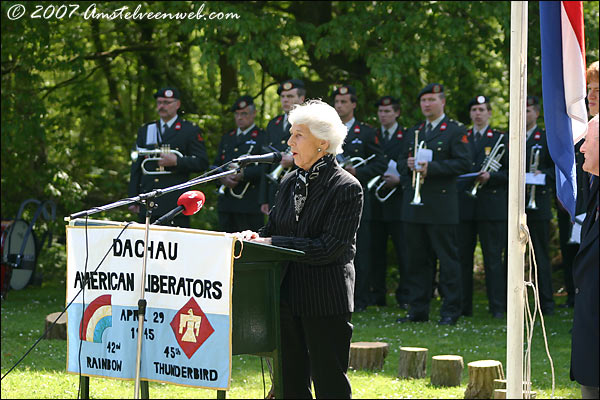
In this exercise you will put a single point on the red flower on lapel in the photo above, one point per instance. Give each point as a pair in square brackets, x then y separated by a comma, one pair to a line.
[443, 127]
[278, 120]
[490, 133]
[357, 129]
[254, 133]
[178, 126]
[399, 135]
[537, 136]
[200, 138]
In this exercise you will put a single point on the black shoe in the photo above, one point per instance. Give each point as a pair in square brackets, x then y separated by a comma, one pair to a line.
[448, 321]
[498, 315]
[410, 318]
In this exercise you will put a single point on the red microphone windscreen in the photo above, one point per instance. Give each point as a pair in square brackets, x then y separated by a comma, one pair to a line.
[192, 201]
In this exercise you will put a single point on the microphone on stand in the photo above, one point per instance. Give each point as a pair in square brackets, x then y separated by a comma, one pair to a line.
[188, 203]
[269, 158]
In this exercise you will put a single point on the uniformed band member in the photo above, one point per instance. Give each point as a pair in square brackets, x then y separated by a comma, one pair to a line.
[486, 214]
[238, 206]
[540, 197]
[290, 92]
[431, 227]
[361, 141]
[386, 211]
[182, 136]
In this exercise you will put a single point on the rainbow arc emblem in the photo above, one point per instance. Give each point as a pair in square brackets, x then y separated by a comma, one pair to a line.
[97, 317]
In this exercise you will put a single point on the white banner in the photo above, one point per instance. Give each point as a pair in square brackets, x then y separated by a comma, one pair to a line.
[188, 286]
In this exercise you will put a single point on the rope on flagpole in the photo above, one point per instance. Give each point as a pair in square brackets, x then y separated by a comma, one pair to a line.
[532, 283]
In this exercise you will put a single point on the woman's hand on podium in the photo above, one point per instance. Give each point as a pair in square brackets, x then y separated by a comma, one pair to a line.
[252, 237]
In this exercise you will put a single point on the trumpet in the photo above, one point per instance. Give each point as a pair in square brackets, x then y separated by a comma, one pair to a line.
[153, 155]
[417, 180]
[274, 175]
[375, 183]
[222, 188]
[355, 162]
[490, 164]
[534, 162]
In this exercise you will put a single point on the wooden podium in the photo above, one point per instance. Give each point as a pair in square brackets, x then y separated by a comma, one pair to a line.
[255, 306]
[256, 281]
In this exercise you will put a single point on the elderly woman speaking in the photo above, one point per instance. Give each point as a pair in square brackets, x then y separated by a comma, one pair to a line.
[317, 210]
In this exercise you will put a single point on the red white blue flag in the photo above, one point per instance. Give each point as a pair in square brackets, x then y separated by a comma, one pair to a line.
[564, 90]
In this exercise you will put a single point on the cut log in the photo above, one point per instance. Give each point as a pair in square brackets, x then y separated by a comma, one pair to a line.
[413, 362]
[59, 330]
[368, 355]
[446, 370]
[481, 378]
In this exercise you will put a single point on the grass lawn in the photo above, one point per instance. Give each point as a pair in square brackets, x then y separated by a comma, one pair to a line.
[42, 374]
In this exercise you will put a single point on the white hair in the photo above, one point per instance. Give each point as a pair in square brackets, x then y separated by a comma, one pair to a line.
[323, 121]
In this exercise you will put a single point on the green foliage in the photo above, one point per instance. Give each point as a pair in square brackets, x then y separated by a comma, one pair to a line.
[75, 89]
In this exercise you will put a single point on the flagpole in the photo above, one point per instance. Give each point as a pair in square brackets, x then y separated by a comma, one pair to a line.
[516, 201]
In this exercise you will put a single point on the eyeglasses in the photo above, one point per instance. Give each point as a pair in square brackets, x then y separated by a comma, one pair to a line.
[164, 102]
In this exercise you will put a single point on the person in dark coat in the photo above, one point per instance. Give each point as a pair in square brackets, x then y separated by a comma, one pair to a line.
[291, 92]
[538, 200]
[585, 351]
[362, 142]
[317, 210]
[182, 136]
[431, 227]
[484, 210]
[386, 207]
[238, 203]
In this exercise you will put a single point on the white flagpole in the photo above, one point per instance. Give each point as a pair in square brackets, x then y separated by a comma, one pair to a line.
[516, 200]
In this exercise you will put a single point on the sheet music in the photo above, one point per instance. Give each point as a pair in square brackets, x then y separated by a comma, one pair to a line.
[532, 179]
[576, 229]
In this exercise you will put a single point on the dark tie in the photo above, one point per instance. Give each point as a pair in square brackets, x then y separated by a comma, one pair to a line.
[428, 130]
[165, 126]
[387, 135]
[477, 137]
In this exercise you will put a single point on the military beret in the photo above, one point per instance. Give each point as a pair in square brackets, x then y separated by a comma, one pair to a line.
[345, 89]
[431, 88]
[168, 92]
[290, 84]
[386, 101]
[532, 100]
[478, 100]
[242, 102]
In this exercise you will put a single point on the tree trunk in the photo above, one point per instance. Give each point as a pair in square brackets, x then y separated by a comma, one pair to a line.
[413, 362]
[446, 370]
[59, 330]
[481, 378]
[368, 355]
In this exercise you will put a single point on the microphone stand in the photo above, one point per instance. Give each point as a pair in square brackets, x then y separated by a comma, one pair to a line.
[148, 199]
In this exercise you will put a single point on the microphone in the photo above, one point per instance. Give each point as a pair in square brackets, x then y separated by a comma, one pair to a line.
[269, 158]
[188, 203]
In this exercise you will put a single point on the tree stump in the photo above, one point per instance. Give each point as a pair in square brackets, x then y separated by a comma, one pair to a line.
[446, 370]
[413, 362]
[481, 378]
[59, 330]
[368, 355]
